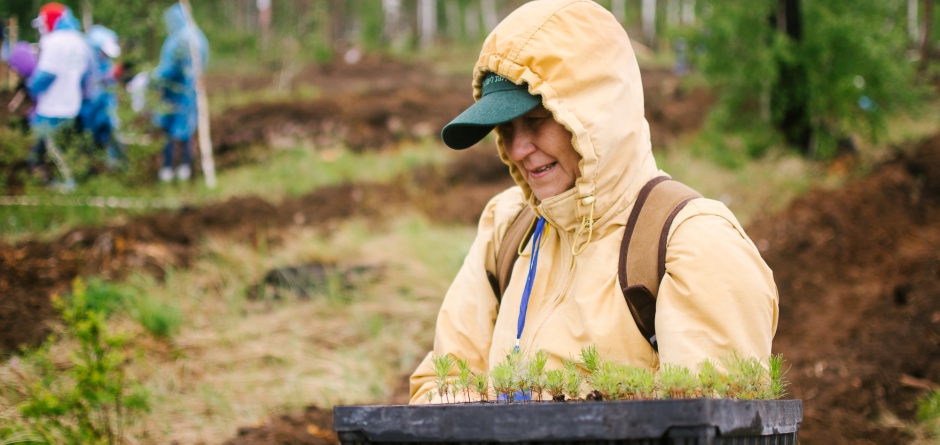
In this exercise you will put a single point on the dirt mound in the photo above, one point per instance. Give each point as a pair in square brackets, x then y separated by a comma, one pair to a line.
[858, 272]
[311, 427]
[671, 108]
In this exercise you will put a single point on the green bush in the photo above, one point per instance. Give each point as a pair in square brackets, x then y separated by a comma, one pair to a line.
[158, 318]
[92, 401]
[928, 411]
[844, 75]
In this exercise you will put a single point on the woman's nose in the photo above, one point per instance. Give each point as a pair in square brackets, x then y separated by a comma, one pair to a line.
[519, 144]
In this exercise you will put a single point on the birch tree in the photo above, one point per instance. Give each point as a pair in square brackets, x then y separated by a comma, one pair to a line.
[649, 21]
[427, 22]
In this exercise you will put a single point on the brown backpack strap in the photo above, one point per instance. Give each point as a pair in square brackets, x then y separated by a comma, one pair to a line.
[643, 250]
[509, 251]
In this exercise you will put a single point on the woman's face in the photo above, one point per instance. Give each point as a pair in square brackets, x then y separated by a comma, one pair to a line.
[540, 148]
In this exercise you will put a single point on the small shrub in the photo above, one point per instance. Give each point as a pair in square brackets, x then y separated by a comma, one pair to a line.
[710, 380]
[90, 402]
[745, 378]
[638, 383]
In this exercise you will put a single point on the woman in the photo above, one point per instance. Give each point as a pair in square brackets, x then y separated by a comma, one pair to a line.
[559, 82]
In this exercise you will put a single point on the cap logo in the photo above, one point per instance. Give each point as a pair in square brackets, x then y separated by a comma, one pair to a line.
[494, 82]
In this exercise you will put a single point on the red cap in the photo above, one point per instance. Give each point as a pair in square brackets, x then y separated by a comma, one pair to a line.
[50, 13]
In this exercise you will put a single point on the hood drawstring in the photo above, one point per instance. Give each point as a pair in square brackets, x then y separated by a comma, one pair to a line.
[587, 223]
[530, 277]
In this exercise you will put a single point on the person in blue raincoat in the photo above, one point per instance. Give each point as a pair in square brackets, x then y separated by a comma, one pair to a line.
[60, 82]
[99, 113]
[175, 81]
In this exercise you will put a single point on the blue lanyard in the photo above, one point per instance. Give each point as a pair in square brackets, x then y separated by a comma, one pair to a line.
[530, 278]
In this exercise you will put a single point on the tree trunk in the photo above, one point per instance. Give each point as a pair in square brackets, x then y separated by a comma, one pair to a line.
[912, 20]
[618, 7]
[649, 22]
[490, 16]
[427, 22]
[392, 25]
[673, 13]
[337, 21]
[925, 39]
[471, 21]
[790, 97]
[688, 12]
[452, 11]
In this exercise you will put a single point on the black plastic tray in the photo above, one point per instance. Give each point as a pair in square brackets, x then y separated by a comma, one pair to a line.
[686, 422]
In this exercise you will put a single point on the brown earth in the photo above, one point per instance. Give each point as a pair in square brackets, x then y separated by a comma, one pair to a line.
[858, 271]
[31, 271]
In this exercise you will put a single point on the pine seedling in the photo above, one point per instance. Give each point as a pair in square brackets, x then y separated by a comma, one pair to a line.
[442, 365]
[590, 358]
[536, 373]
[744, 376]
[573, 379]
[710, 380]
[503, 375]
[481, 385]
[676, 382]
[607, 380]
[430, 395]
[463, 379]
[453, 390]
[638, 383]
[778, 386]
[555, 384]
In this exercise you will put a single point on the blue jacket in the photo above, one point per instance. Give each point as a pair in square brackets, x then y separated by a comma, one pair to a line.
[174, 78]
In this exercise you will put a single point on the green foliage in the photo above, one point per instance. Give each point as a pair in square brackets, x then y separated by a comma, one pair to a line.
[590, 358]
[442, 365]
[464, 378]
[555, 384]
[709, 378]
[574, 379]
[536, 374]
[847, 71]
[506, 376]
[928, 412]
[93, 400]
[745, 378]
[677, 382]
[157, 317]
[480, 384]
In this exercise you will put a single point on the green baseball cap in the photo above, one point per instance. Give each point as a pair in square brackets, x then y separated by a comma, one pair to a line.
[502, 101]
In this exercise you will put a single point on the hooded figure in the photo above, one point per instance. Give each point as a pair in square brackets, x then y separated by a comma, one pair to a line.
[99, 112]
[559, 81]
[61, 80]
[175, 80]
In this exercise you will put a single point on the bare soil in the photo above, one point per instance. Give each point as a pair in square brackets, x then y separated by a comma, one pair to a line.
[31, 271]
[858, 271]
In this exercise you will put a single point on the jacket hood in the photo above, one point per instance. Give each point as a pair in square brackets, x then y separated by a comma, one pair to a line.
[577, 56]
[67, 22]
[175, 18]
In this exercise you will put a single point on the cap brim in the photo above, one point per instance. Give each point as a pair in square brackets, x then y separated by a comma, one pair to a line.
[493, 109]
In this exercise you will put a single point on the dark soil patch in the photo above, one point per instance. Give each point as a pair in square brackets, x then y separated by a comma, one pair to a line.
[31, 271]
[313, 426]
[672, 109]
[858, 271]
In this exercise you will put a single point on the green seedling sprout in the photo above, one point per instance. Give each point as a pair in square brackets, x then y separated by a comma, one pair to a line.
[442, 365]
[778, 386]
[463, 379]
[744, 377]
[590, 358]
[573, 379]
[430, 395]
[710, 380]
[536, 374]
[607, 380]
[676, 382]
[504, 378]
[638, 383]
[481, 385]
[555, 384]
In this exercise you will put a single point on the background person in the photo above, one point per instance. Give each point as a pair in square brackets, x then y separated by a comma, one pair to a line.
[99, 112]
[559, 82]
[175, 81]
[60, 80]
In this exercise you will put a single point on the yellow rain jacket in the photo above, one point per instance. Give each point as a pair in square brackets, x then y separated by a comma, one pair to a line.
[717, 296]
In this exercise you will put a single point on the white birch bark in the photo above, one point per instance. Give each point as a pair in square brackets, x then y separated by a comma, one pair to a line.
[649, 21]
[490, 16]
[618, 7]
[672, 13]
[427, 22]
[392, 25]
[471, 21]
[912, 20]
[688, 12]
